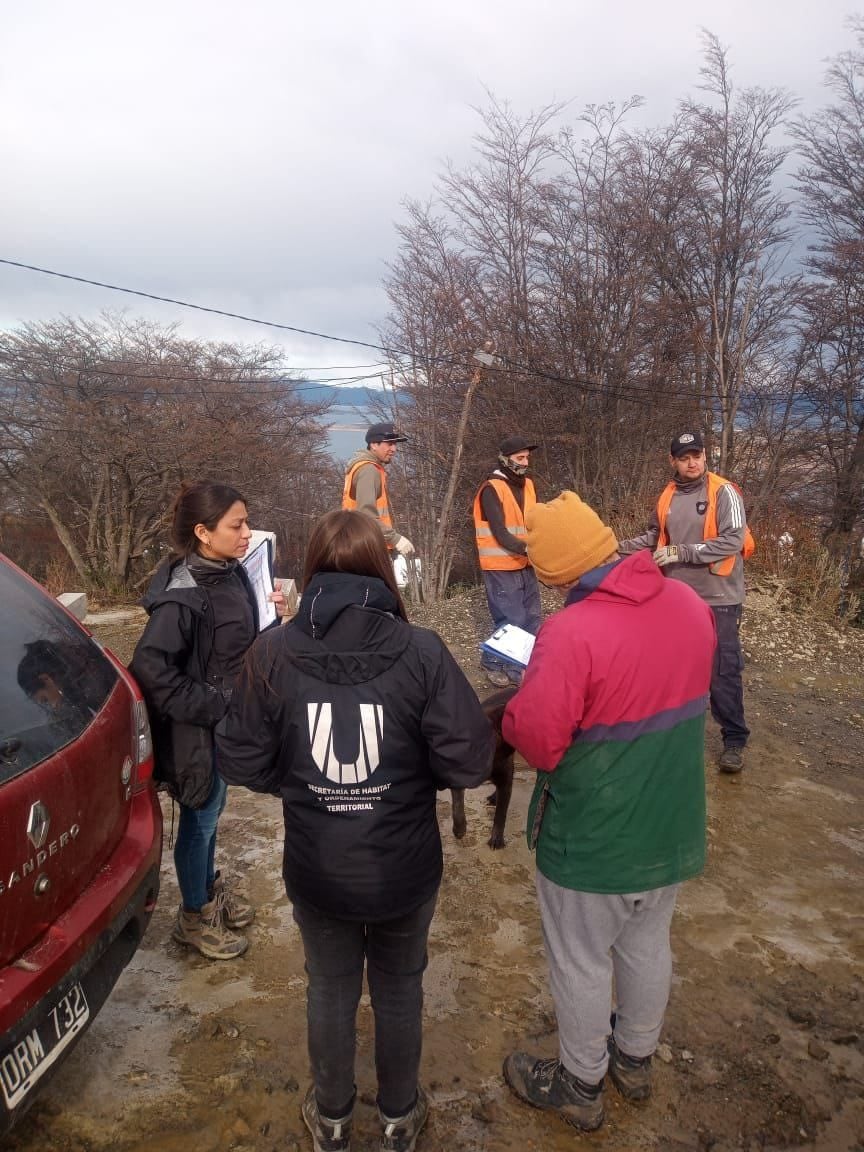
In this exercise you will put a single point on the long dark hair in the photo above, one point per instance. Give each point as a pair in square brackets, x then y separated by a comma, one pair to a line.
[202, 502]
[350, 542]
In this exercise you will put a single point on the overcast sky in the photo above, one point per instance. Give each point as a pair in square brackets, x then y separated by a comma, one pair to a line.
[254, 156]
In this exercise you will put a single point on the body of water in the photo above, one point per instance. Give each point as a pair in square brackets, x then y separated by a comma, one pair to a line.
[346, 433]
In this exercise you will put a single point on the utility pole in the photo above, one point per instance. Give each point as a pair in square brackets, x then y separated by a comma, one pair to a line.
[485, 359]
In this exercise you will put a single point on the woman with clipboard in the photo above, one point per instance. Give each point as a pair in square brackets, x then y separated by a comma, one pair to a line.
[203, 618]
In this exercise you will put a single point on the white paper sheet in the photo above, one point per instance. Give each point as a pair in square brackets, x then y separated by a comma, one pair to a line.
[258, 563]
[510, 643]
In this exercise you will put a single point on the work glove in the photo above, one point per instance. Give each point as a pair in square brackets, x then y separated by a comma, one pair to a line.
[669, 554]
[404, 546]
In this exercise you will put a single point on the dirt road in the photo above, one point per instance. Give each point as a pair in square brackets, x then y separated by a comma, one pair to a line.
[764, 1040]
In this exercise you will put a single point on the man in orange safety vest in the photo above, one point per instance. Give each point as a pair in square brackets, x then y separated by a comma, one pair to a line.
[512, 592]
[365, 487]
[699, 535]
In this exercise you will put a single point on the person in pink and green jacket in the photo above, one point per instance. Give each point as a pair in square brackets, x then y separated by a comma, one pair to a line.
[611, 713]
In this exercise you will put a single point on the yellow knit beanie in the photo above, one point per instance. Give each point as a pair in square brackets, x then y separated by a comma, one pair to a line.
[565, 539]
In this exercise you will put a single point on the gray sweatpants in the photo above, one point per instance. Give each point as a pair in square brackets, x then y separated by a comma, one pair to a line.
[589, 936]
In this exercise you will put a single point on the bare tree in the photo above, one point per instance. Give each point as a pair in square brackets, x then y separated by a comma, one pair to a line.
[732, 230]
[99, 423]
[633, 283]
[831, 183]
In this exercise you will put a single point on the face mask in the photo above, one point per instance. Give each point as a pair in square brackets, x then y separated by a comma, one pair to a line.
[516, 469]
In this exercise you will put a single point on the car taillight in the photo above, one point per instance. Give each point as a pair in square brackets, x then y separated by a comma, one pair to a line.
[142, 745]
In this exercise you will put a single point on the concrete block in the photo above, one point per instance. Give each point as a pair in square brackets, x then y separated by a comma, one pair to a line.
[74, 602]
[118, 616]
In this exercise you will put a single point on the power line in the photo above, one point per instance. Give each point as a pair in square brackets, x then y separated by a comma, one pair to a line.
[275, 394]
[197, 307]
[275, 389]
[285, 388]
[283, 385]
[382, 367]
[389, 351]
[633, 393]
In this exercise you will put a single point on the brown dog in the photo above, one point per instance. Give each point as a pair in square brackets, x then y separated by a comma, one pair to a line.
[501, 774]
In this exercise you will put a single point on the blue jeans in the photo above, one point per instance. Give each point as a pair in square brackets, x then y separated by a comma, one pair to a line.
[195, 847]
[395, 955]
[727, 689]
[513, 598]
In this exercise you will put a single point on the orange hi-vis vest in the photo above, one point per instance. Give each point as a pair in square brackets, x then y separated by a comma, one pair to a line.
[494, 558]
[349, 502]
[715, 483]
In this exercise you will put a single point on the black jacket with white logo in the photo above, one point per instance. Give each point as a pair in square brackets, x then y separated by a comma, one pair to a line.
[356, 719]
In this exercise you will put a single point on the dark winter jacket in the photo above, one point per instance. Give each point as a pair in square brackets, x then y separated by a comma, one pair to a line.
[171, 663]
[355, 718]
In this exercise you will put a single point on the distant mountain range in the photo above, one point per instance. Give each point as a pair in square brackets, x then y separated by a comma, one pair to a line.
[342, 397]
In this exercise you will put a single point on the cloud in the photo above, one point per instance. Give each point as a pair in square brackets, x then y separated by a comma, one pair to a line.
[255, 157]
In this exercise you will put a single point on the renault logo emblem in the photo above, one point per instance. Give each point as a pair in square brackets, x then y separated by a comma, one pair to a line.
[37, 825]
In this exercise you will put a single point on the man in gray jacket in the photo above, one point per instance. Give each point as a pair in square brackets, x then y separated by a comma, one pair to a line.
[366, 483]
[698, 534]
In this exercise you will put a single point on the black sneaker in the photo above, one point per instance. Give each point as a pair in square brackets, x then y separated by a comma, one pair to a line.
[732, 760]
[631, 1075]
[547, 1084]
[401, 1132]
[327, 1135]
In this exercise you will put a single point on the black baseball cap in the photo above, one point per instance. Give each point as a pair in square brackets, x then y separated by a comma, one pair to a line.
[687, 442]
[514, 444]
[384, 434]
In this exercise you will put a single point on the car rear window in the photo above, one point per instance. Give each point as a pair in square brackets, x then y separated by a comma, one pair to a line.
[53, 678]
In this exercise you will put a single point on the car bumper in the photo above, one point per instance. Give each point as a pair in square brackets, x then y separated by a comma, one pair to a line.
[89, 945]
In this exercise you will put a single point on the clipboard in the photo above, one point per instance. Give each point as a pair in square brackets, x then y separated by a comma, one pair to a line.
[510, 643]
[258, 563]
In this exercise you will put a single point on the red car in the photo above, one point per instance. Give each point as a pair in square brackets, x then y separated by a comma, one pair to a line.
[80, 833]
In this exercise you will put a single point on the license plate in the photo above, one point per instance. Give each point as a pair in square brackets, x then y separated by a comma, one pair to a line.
[22, 1066]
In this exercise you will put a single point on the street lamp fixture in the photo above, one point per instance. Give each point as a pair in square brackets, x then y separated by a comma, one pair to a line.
[486, 357]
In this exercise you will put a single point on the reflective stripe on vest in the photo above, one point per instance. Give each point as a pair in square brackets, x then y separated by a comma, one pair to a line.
[720, 567]
[349, 501]
[494, 558]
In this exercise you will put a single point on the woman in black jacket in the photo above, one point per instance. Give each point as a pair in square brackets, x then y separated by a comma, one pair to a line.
[356, 719]
[203, 618]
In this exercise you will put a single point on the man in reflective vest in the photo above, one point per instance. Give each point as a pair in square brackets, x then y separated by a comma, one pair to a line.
[699, 535]
[512, 591]
[366, 483]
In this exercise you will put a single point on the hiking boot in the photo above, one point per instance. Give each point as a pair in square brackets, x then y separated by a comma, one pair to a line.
[732, 760]
[207, 932]
[239, 913]
[496, 678]
[631, 1075]
[547, 1084]
[401, 1132]
[327, 1135]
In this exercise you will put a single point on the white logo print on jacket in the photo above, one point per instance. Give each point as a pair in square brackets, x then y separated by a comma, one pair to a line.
[368, 741]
